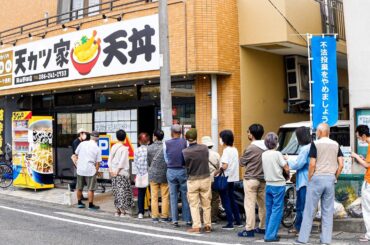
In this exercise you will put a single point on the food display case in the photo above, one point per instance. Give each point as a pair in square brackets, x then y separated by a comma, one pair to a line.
[33, 165]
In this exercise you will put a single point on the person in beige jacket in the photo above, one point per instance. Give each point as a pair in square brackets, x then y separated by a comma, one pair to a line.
[214, 164]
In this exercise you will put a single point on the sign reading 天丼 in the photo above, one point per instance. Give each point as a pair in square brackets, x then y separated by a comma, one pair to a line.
[111, 49]
[325, 80]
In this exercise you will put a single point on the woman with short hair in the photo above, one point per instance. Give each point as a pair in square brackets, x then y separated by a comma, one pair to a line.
[274, 165]
[119, 169]
[230, 166]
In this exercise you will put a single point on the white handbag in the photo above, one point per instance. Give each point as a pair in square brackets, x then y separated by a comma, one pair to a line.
[142, 181]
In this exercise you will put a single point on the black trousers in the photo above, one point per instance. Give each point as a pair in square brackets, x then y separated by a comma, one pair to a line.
[141, 200]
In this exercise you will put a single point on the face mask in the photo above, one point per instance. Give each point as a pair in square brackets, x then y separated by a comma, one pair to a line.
[221, 142]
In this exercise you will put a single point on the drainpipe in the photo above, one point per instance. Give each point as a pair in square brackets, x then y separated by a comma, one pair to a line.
[214, 120]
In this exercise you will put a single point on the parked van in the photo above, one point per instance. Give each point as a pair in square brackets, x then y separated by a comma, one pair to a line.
[288, 143]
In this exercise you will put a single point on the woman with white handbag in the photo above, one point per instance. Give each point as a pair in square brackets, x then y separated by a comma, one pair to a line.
[140, 167]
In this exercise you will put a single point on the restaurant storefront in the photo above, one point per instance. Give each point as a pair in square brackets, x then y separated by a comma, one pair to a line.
[116, 48]
[134, 108]
[101, 72]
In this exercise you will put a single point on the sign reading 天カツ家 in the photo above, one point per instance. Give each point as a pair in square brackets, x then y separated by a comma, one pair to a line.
[117, 48]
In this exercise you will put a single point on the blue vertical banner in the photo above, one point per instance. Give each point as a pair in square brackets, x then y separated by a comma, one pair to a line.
[325, 80]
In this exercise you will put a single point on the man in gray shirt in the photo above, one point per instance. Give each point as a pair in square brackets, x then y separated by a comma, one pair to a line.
[326, 164]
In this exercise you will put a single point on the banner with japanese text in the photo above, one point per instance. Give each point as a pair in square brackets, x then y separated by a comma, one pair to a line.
[117, 48]
[325, 80]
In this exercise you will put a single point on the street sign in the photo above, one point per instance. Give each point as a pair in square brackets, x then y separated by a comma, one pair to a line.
[325, 80]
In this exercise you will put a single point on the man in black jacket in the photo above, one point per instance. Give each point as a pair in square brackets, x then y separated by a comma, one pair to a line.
[81, 136]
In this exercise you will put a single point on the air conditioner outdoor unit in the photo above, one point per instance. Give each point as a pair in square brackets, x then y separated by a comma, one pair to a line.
[297, 78]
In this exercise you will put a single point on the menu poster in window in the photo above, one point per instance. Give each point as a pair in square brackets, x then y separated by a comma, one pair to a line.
[347, 159]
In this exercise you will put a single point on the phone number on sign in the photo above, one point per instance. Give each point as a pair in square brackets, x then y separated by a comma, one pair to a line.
[53, 75]
[50, 75]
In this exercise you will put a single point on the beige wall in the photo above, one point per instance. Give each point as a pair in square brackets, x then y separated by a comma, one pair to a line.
[305, 16]
[264, 90]
[261, 23]
[18, 12]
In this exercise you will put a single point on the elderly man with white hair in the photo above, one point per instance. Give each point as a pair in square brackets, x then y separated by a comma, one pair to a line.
[326, 164]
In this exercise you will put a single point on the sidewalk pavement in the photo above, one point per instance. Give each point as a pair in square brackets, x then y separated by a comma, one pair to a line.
[60, 195]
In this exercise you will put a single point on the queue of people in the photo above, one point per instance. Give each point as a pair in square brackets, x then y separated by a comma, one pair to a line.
[185, 168]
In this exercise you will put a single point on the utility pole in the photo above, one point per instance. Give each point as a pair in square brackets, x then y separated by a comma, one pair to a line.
[165, 77]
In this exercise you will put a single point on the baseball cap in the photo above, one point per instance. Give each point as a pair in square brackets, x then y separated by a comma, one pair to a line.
[191, 134]
[94, 134]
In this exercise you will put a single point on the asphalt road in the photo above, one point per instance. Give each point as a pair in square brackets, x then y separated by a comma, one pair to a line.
[27, 222]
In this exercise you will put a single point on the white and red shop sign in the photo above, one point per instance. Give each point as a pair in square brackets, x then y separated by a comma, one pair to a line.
[122, 47]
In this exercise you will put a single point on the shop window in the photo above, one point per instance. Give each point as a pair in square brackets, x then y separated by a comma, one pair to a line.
[116, 96]
[112, 120]
[68, 125]
[183, 97]
[42, 102]
[151, 92]
[73, 9]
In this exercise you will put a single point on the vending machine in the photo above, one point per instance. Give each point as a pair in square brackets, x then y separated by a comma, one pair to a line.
[33, 165]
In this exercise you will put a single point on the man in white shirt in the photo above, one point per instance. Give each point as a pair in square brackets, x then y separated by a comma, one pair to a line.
[88, 156]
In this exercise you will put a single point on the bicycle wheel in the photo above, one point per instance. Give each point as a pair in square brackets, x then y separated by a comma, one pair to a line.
[290, 214]
[6, 176]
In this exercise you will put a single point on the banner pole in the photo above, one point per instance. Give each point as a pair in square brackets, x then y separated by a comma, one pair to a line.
[309, 36]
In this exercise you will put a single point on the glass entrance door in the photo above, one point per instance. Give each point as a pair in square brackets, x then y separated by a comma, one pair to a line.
[67, 126]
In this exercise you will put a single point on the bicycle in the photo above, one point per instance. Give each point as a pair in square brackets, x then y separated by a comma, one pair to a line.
[290, 210]
[6, 168]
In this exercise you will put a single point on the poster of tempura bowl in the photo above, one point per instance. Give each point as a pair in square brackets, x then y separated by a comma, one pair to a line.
[39, 160]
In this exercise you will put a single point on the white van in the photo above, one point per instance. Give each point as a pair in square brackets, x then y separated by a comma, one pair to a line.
[288, 143]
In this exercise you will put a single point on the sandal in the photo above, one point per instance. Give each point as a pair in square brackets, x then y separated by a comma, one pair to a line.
[117, 214]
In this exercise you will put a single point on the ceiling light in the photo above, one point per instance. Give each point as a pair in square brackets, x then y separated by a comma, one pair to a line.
[119, 18]
[30, 36]
[64, 27]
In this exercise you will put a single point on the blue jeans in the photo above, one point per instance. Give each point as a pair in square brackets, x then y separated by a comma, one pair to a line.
[321, 187]
[177, 181]
[229, 204]
[274, 210]
[301, 200]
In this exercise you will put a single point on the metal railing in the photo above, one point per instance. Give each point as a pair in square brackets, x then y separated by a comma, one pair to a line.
[62, 18]
[332, 16]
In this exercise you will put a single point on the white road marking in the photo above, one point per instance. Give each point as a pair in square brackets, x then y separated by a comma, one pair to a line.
[146, 227]
[176, 238]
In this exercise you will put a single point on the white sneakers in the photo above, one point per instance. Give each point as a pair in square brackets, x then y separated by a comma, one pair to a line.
[140, 216]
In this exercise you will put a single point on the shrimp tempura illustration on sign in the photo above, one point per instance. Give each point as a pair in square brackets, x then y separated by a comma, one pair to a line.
[85, 54]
